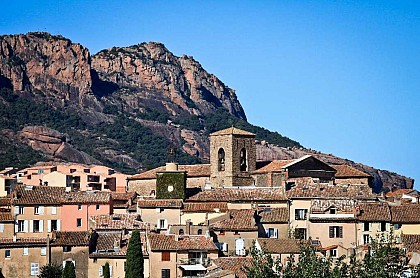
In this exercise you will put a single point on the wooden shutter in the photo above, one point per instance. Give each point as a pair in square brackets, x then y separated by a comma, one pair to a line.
[340, 232]
[166, 256]
[331, 231]
[41, 226]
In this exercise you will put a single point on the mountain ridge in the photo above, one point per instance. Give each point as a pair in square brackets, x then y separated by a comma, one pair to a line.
[123, 106]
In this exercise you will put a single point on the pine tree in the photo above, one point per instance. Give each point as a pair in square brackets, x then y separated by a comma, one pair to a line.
[50, 271]
[69, 270]
[135, 261]
[107, 272]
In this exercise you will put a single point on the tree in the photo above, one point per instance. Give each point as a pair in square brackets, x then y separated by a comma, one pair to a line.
[135, 261]
[107, 272]
[69, 270]
[50, 271]
[263, 265]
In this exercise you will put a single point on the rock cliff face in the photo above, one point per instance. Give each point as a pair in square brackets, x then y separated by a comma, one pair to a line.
[123, 106]
[180, 84]
[47, 64]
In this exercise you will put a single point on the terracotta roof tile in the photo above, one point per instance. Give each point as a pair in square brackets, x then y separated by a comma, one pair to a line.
[198, 170]
[155, 203]
[37, 195]
[232, 131]
[373, 212]
[238, 195]
[346, 171]
[406, 214]
[205, 207]
[235, 220]
[5, 201]
[280, 246]
[274, 215]
[70, 238]
[23, 242]
[86, 197]
[123, 196]
[331, 191]
[274, 166]
[235, 264]
[399, 192]
[6, 217]
[115, 245]
[118, 222]
[411, 242]
[160, 242]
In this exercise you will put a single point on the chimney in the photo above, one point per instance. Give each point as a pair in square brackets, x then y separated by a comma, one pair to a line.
[48, 250]
[14, 238]
[171, 167]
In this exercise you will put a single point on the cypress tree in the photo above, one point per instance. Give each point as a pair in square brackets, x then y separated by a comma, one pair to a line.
[69, 270]
[107, 272]
[135, 261]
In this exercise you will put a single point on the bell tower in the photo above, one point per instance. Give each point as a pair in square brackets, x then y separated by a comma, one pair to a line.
[232, 157]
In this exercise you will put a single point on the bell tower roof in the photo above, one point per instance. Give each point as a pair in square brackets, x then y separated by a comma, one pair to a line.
[232, 131]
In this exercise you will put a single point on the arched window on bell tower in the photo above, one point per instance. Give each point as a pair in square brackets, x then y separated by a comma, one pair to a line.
[221, 159]
[243, 160]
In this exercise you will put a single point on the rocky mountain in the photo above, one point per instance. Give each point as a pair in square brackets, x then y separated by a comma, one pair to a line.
[123, 107]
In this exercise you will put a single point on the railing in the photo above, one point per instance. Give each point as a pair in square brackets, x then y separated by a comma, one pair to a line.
[192, 261]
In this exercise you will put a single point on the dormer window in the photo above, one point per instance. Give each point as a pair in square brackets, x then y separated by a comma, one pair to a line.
[242, 160]
[221, 159]
[333, 210]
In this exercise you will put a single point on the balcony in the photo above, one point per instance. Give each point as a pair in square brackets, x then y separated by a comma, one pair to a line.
[195, 261]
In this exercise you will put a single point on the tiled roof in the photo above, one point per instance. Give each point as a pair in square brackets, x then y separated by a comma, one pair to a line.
[155, 203]
[274, 166]
[399, 192]
[70, 238]
[331, 191]
[86, 197]
[232, 131]
[235, 220]
[406, 214]
[118, 222]
[6, 217]
[280, 246]
[23, 242]
[160, 242]
[411, 242]
[346, 171]
[373, 212]
[235, 264]
[123, 196]
[37, 195]
[106, 243]
[198, 170]
[238, 195]
[205, 207]
[274, 215]
[5, 201]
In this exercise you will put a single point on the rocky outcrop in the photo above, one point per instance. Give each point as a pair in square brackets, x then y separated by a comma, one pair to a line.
[53, 143]
[46, 64]
[179, 84]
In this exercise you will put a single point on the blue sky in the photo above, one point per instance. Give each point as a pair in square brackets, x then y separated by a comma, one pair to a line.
[341, 77]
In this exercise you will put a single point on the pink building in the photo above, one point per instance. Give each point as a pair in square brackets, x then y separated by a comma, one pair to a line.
[78, 207]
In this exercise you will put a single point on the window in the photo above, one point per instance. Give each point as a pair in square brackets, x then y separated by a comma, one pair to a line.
[25, 251]
[66, 248]
[53, 210]
[162, 224]
[36, 210]
[98, 207]
[72, 170]
[242, 160]
[18, 210]
[222, 232]
[336, 231]
[86, 170]
[166, 256]
[34, 269]
[221, 159]
[21, 226]
[366, 239]
[166, 273]
[36, 227]
[397, 226]
[181, 231]
[272, 232]
[333, 210]
[199, 232]
[7, 254]
[43, 251]
[366, 226]
[382, 226]
[79, 207]
[40, 171]
[300, 233]
[79, 222]
[54, 225]
[300, 214]
[333, 253]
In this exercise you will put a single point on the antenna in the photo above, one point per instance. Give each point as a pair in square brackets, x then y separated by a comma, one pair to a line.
[171, 154]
